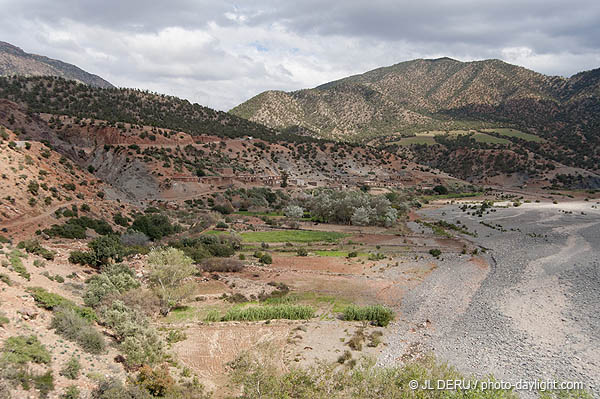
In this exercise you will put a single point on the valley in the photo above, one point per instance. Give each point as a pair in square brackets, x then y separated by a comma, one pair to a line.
[328, 242]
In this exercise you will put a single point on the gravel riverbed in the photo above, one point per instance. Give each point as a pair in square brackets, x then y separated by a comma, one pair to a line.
[532, 314]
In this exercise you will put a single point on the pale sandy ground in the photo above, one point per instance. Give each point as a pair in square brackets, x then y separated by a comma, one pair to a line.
[533, 315]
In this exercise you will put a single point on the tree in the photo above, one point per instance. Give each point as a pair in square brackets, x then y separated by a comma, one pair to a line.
[441, 190]
[169, 268]
[361, 216]
[293, 211]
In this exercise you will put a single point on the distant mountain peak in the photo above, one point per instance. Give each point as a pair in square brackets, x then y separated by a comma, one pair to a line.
[15, 61]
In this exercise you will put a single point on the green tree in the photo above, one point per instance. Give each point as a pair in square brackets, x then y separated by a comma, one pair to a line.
[169, 270]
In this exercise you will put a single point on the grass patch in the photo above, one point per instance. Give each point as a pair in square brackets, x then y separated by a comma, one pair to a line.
[377, 314]
[269, 312]
[292, 236]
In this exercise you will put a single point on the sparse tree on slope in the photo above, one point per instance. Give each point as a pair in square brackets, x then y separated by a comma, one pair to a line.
[169, 270]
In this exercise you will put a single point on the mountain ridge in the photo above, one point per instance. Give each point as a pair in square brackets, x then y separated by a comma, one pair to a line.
[15, 61]
[413, 96]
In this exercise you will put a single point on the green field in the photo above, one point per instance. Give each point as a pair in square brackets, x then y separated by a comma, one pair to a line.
[516, 133]
[292, 236]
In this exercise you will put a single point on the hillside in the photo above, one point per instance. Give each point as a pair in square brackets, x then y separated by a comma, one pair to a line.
[66, 97]
[15, 61]
[442, 94]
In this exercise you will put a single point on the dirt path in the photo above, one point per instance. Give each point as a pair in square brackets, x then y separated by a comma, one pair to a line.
[25, 219]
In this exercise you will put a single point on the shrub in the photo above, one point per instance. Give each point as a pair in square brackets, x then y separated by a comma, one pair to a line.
[5, 279]
[114, 389]
[23, 349]
[221, 265]
[223, 209]
[71, 368]
[134, 239]
[378, 314]
[302, 252]
[435, 252]
[222, 225]
[17, 264]
[268, 312]
[73, 327]
[44, 383]
[106, 249]
[82, 258]
[139, 341]
[158, 381]
[266, 259]
[208, 245]
[71, 392]
[155, 226]
[121, 220]
[50, 301]
[113, 279]
[169, 268]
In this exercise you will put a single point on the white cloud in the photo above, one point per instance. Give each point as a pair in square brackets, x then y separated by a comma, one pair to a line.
[220, 54]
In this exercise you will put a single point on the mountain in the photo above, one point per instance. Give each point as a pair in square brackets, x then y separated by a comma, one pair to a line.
[421, 95]
[14, 61]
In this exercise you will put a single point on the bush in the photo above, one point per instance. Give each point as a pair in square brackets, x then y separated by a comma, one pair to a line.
[121, 220]
[155, 226]
[134, 239]
[114, 389]
[266, 259]
[302, 252]
[268, 312]
[17, 264]
[71, 392]
[82, 258]
[71, 369]
[169, 268]
[440, 190]
[76, 227]
[44, 383]
[113, 279]
[221, 265]
[206, 246]
[23, 349]
[107, 249]
[73, 327]
[223, 209]
[435, 252]
[139, 341]
[259, 379]
[378, 314]
[50, 301]
[222, 225]
[158, 381]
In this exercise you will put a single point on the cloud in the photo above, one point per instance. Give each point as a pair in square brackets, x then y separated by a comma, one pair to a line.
[222, 53]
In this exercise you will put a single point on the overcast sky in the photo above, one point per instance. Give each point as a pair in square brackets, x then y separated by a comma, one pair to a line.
[220, 53]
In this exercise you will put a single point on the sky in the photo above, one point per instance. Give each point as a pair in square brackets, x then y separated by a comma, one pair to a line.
[220, 53]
